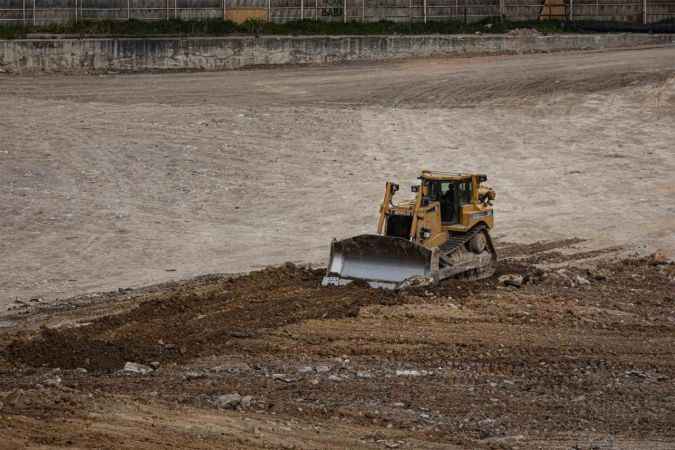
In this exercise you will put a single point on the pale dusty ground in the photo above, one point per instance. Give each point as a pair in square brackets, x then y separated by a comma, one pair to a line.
[125, 180]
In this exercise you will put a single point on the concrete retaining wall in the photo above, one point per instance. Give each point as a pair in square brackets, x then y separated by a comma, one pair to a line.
[143, 54]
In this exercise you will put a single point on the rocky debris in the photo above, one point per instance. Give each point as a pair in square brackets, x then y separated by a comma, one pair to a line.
[282, 377]
[7, 323]
[598, 274]
[418, 281]
[246, 401]
[504, 441]
[15, 398]
[232, 367]
[306, 369]
[389, 443]
[194, 375]
[581, 280]
[584, 380]
[228, 401]
[231, 401]
[53, 381]
[411, 373]
[511, 279]
[136, 368]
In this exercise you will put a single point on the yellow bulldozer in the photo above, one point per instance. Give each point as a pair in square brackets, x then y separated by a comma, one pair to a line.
[442, 233]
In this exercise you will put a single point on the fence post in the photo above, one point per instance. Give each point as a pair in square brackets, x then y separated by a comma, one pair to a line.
[501, 9]
[33, 12]
[225, 9]
[571, 12]
[269, 10]
[425, 11]
[344, 11]
[363, 11]
[302, 9]
[316, 9]
[24, 13]
[128, 10]
[645, 18]
[75, 11]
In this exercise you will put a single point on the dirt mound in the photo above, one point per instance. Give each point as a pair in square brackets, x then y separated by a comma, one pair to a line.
[573, 350]
[228, 315]
[188, 323]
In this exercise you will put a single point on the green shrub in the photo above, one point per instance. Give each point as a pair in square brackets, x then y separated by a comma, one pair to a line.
[219, 27]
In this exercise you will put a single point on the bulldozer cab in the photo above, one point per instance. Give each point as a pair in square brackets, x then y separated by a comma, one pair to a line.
[451, 196]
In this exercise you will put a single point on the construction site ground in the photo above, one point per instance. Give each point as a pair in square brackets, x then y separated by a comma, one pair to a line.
[137, 184]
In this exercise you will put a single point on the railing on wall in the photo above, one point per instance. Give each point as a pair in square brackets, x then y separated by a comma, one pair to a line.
[50, 11]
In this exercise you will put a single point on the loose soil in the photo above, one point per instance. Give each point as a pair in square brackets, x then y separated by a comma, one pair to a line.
[578, 356]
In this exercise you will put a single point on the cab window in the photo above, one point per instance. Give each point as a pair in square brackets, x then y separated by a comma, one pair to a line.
[464, 192]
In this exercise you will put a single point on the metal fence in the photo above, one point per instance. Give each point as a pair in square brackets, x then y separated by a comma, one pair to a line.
[50, 11]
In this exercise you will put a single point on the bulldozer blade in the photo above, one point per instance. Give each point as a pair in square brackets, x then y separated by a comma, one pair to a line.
[381, 261]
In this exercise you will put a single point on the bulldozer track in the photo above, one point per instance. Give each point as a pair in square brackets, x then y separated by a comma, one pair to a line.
[456, 240]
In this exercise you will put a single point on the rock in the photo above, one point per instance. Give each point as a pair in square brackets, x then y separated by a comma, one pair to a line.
[581, 280]
[81, 370]
[409, 373]
[363, 374]
[636, 373]
[598, 274]
[154, 365]
[282, 377]
[193, 375]
[335, 378]
[232, 367]
[511, 279]
[323, 368]
[53, 381]
[398, 404]
[228, 401]
[418, 281]
[132, 367]
[306, 369]
[246, 401]
[16, 398]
